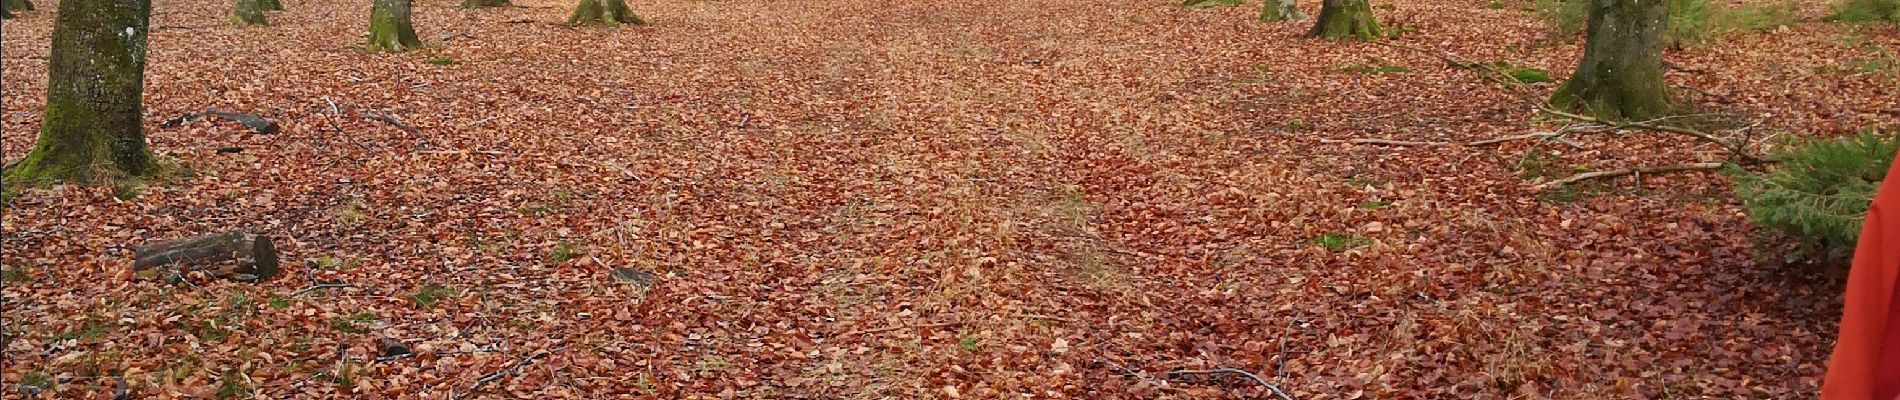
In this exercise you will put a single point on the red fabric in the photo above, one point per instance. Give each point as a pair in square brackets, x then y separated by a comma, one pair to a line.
[1866, 360]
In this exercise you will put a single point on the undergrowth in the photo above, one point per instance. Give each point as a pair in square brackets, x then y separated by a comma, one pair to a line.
[1817, 198]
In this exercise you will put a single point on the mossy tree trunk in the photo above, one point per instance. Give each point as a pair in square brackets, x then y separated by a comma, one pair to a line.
[1280, 10]
[1621, 74]
[248, 12]
[7, 7]
[1346, 19]
[603, 12]
[271, 5]
[485, 3]
[390, 28]
[95, 74]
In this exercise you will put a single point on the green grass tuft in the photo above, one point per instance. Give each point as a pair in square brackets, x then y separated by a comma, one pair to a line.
[358, 323]
[429, 293]
[564, 251]
[1376, 66]
[1336, 241]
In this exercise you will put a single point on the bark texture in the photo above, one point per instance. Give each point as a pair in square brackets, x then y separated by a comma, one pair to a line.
[390, 28]
[603, 12]
[19, 5]
[1280, 10]
[248, 12]
[95, 75]
[485, 3]
[1346, 19]
[250, 257]
[1621, 74]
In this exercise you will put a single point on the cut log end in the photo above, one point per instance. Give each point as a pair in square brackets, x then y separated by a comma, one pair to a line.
[230, 255]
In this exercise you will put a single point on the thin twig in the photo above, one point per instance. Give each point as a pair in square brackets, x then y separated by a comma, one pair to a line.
[1387, 142]
[1487, 70]
[310, 288]
[459, 152]
[395, 357]
[498, 374]
[1279, 371]
[1242, 372]
[1732, 148]
[892, 328]
[482, 121]
[1548, 136]
[1702, 166]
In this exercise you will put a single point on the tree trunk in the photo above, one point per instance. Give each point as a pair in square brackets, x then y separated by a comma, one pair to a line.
[21, 5]
[1344, 19]
[95, 75]
[485, 3]
[1621, 74]
[255, 257]
[1279, 10]
[248, 12]
[389, 26]
[5, 12]
[271, 5]
[603, 12]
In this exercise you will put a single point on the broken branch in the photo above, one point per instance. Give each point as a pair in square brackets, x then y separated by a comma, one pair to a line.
[1256, 378]
[1703, 166]
[1732, 148]
[892, 328]
[1386, 142]
[320, 286]
[508, 370]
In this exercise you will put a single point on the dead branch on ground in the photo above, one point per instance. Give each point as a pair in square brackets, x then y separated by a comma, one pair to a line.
[1638, 171]
[892, 328]
[1256, 378]
[509, 370]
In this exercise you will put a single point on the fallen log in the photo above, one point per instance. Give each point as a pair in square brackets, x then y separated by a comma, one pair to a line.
[229, 255]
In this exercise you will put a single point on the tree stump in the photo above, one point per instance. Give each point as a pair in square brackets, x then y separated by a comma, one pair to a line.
[390, 28]
[604, 13]
[1346, 19]
[246, 13]
[229, 255]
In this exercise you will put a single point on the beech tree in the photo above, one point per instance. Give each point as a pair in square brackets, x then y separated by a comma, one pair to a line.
[248, 12]
[1278, 10]
[603, 12]
[91, 128]
[1343, 19]
[390, 28]
[1621, 74]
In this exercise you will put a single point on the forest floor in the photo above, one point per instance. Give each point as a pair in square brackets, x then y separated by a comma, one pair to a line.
[918, 199]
